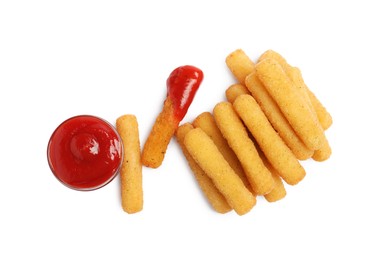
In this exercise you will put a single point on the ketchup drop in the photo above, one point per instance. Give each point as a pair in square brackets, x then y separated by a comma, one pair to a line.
[85, 152]
[182, 85]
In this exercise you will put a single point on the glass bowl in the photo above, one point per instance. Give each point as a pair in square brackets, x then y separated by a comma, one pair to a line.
[85, 152]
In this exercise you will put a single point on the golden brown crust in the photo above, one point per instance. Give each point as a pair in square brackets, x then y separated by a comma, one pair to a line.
[208, 157]
[131, 171]
[234, 91]
[240, 65]
[273, 147]
[318, 111]
[236, 135]
[214, 197]
[324, 116]
[294, 73]
[291, 103]
[276, 118]
[323, 153]
[279, 191]
[161, 133]
[207, 123]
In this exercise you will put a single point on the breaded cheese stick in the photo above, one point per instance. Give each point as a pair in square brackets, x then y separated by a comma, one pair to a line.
[240, 65]
[206, 122]
[324, 119]
[235, 133]
[279, 191]
[234, 91]
[212, 194]
[276, 118]
[323, 115]
[155, 147]
[294, 74]
[131, 171]
[270, 54]
[323, 153]
[291, 103]
[273, 147]
[182, 85]
[208, 157]
[317, 109]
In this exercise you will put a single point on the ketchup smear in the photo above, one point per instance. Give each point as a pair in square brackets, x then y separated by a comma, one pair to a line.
[182, 85]
[85, 152]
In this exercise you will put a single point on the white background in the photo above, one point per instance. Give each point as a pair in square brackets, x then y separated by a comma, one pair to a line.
[108, 58]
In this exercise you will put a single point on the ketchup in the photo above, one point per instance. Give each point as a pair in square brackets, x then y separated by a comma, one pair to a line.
[182, 85]
[85, 152]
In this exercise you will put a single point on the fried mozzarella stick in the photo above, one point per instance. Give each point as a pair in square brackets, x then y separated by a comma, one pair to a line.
[316, 108]
[294, 73]
[240, 65]
[131, 171]
[276, 118]
[273, 147]
[208, 157]
[325, 151]
[234, 91]
[279, 191]
[323, 115]
[182, 85]
[214, 197]
[206, 122]
[291, 103]
[236, 135]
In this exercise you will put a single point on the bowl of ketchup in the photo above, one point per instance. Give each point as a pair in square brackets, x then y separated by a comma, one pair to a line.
[85, 152]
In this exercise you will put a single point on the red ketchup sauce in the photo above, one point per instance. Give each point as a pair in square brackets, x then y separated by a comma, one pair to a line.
[84, 152]
[182, 85]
